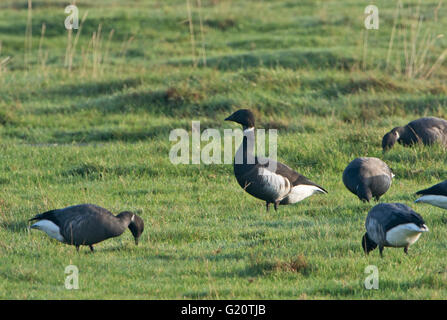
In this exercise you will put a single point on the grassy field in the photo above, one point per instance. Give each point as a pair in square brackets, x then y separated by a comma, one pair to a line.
[89, 123]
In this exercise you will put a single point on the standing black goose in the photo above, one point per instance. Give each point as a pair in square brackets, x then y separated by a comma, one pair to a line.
[265, 178]
[392, 225]
[87, 224]
[435, 195]
[426, 130]
[367, 177]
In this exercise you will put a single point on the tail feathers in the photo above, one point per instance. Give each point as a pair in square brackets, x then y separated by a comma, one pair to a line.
[439, 189]
[46, 215]
[321, 190]
[315, 187]
[364, 193]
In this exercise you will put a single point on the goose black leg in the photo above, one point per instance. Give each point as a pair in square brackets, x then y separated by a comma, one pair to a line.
[267, 204]
[77, 248]
[381, 251]
[276, 206]
[406, 250]
[91, 248]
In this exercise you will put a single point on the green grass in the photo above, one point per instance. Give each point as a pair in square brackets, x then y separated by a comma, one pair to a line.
[103, 138]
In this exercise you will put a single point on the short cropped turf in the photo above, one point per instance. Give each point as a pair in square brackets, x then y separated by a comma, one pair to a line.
[90, 123]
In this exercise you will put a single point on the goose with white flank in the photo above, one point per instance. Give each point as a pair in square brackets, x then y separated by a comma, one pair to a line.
[265, 178]
[87, 224]
[392, 225]
[367, 178]
[435, 195]
[426, 130]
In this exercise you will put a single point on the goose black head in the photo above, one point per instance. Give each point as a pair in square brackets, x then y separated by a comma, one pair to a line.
[244, 117]
[390, 139]
[136, 226]
[367, 244]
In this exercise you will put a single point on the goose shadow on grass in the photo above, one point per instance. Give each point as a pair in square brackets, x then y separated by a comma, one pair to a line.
[116, 248]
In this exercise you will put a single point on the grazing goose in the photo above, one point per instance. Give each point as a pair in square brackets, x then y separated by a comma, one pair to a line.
[426, 130]
[392, 225]
[435, 195]
[367, 178]
[87, 224]
[265, 178]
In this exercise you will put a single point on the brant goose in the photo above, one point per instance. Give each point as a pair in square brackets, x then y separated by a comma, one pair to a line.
[87, 224]
[435, 195]
[426, 130]
[367, 178]
[392, 225]
[265, 178]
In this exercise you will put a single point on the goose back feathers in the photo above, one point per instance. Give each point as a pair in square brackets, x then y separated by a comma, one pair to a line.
[424, 130]
[367, 178]
[392, 225]
[87, 224]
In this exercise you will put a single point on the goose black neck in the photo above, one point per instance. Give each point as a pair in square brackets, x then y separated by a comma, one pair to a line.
[125, 218]
[245, 154]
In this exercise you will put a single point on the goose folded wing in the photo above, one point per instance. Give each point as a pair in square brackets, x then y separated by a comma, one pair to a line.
[400, 217]
[439, 189]
[88, 228]
[294, 177]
